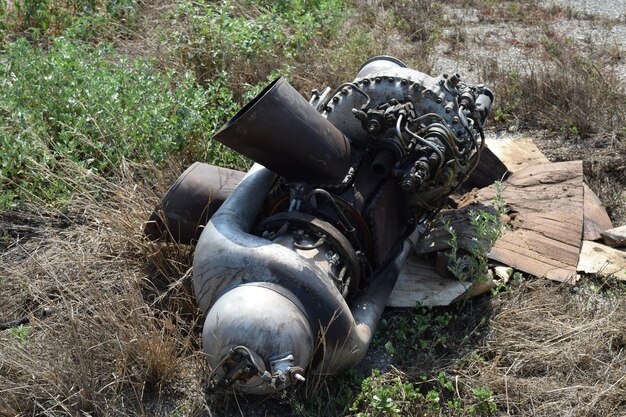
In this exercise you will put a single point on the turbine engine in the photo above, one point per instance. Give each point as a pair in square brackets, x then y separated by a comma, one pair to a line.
[294, 269]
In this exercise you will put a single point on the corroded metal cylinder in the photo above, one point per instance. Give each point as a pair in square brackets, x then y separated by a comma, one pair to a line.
[190, 202]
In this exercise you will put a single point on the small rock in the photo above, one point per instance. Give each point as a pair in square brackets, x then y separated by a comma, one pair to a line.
[615, 237]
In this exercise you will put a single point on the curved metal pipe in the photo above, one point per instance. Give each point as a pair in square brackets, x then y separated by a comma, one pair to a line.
[228, 256]
[190, 202]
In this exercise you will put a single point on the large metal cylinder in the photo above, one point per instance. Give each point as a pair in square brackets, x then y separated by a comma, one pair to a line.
[190, 202]
[282, 131]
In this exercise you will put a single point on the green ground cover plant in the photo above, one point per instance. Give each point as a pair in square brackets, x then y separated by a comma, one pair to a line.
[73, 101]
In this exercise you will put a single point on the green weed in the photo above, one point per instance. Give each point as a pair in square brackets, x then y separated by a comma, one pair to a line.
[20, 333]
[486, 227]
[86, 19]
[393, 394]
[249, 40]
[73, 102]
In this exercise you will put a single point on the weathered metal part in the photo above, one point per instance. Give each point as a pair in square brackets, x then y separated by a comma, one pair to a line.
[338, 242]
[228, 256]
[267, 320]
[385, 234]
[385, 78]
[190, 202]
[282, 131]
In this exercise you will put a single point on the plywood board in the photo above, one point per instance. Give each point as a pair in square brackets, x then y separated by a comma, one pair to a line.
[517, 153]
[596, 258]
[419, 282]
[546, 210]
[596, 219]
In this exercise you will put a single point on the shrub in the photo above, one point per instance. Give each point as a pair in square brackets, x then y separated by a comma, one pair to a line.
[74, 102]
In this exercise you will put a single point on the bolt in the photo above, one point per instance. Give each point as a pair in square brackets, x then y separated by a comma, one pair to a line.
[366, 81]
[335, 99]
[377, 79]
[391, 79]
[344, 91]
[403, 81]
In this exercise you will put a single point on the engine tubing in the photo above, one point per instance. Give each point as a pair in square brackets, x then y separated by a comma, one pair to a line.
[227, 255]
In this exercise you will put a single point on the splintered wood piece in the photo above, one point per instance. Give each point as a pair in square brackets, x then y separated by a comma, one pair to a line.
[615, 237]
[546, 210]
[596, 258]
[419, 282]
[517, 153]
[596, 219]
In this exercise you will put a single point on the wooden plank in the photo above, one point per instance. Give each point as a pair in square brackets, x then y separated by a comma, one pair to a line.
[546, 225]
[596, 258]
[419, 282]
[596, 219]
[517, 153]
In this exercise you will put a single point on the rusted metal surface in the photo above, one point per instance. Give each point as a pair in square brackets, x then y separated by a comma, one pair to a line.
[191, 201]
[489, 170]
[282, 131]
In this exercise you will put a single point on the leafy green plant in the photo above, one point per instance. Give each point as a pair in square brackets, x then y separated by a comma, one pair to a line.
[382, 394]
[74, 103]
[422, 329]
[84, 19]
[485, 403]
[249, 39]
[20, 333]
[486, 227]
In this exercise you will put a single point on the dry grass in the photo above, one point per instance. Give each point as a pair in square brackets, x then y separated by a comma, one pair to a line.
[123, 329]
[551, 351]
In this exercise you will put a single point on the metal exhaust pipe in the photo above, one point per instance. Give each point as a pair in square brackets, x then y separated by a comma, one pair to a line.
[282, 131]
[190, 202]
